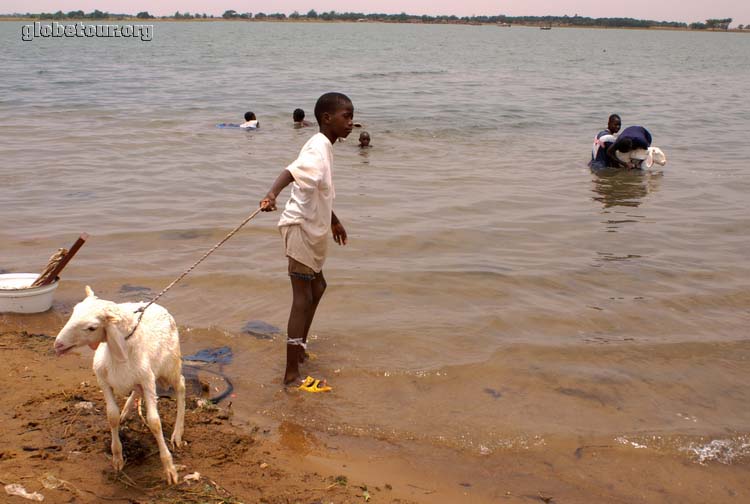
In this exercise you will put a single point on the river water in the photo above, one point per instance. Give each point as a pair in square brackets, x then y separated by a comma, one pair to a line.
[496, 297]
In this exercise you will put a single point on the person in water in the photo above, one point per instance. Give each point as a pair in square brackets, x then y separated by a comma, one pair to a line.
[307, 220]
[603, 140]
[299, 119]
[632, 137]
[251, 122]
[364, 140]
[613, 124]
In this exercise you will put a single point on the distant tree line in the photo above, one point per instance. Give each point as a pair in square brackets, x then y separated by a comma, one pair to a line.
[576, 20]
[714, 24]
[187, 15]
[409, 18]
[97, 14]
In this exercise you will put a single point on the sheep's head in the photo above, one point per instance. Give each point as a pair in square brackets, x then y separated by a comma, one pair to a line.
[93, 321]
[658, 155]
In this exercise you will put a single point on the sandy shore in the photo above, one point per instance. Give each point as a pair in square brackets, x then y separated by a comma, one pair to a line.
[56, 442]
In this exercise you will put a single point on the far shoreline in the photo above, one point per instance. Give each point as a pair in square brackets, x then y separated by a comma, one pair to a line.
[136, 20]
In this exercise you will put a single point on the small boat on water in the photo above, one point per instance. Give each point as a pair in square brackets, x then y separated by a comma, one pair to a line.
[545, 27]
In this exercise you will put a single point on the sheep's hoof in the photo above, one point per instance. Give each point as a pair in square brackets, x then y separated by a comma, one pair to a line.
[118, 463]
[176, 442]
[172, 477]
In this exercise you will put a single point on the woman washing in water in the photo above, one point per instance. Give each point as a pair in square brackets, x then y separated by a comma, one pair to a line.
[633, 149]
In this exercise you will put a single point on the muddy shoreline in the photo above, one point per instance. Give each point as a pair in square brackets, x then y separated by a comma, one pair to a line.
[56, 442]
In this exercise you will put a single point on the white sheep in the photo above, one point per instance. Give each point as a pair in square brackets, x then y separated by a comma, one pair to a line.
[642, 158]
[130, 365]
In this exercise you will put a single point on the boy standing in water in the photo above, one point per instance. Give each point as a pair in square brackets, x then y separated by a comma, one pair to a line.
[602, 141]
[613, 125]
[308, 218]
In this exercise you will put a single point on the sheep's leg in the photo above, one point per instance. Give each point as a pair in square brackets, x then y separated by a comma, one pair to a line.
[113, 417]
[154, 424]
[179, 421]
[128, 407]
[140, 407]
[139, 402]
[133, 398]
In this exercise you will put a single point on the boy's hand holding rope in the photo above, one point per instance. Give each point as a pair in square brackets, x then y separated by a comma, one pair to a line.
[268, 204]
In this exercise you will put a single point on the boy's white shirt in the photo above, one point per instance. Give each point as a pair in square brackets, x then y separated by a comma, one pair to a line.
[250, 124]
[311, 201]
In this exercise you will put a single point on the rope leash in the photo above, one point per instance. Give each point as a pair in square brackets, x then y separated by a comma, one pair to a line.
[142, 310]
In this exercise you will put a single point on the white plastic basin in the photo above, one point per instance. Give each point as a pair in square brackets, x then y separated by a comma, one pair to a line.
[15, 298]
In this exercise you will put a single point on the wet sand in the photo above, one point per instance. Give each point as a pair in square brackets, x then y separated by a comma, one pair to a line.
[49, 438]
[53, 445]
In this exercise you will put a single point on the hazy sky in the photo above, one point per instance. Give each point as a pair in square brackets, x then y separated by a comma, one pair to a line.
[660, 10]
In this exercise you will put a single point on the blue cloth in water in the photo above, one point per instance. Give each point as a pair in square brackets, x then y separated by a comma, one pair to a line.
[260, 329]
[639, 135]
[232, 125]
[219, 355]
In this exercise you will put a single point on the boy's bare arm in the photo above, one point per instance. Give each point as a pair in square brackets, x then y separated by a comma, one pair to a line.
[268, 204]
[339, 233]
[611, 153]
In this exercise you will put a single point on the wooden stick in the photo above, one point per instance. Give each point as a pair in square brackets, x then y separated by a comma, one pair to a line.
[77, 245]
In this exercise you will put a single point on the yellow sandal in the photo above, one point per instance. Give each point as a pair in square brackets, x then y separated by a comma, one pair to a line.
[311, 384]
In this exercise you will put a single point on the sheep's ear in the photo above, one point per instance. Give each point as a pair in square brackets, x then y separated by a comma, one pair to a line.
[649, 161]
[89, 291]
[115, 338]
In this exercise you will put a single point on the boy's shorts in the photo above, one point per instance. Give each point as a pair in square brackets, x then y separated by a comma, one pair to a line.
[297, 250]
[299, 270]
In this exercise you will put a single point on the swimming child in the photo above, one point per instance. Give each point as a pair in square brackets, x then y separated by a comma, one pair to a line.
[250, 121]
[299, 119]
[364, 140]
[307, 220]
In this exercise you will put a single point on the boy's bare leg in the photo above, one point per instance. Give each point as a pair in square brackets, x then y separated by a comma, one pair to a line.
[301, 312]
[318, 285]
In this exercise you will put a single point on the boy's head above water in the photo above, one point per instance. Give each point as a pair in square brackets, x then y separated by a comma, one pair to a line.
[335, 113]
[614, 123]
[298, 115]
[364, 139]
[250, 116]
